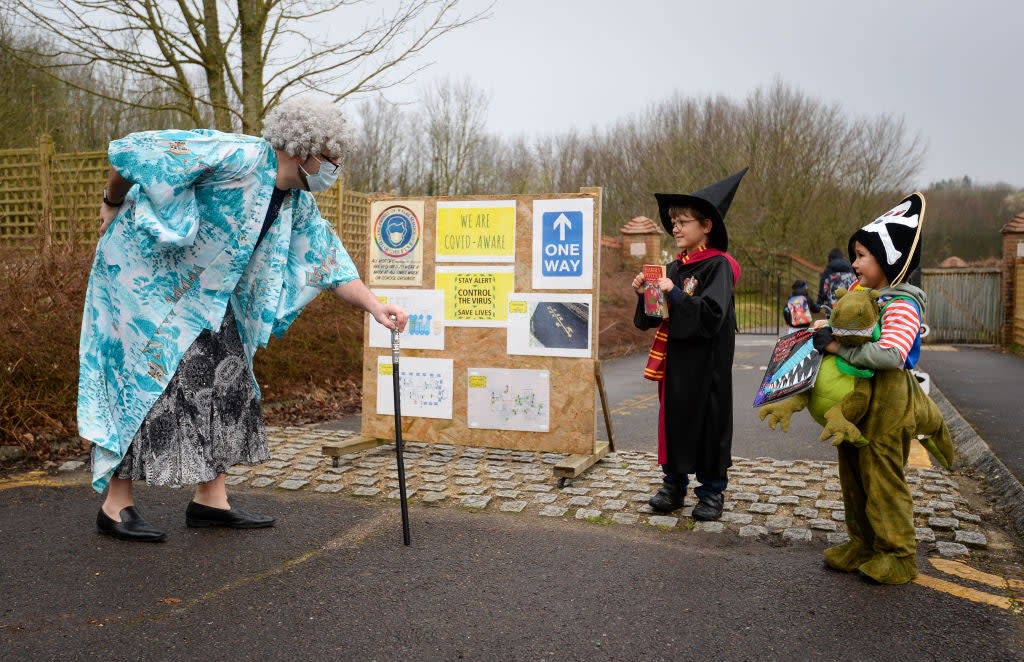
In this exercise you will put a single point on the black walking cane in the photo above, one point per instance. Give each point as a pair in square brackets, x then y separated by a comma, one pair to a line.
[398, 431]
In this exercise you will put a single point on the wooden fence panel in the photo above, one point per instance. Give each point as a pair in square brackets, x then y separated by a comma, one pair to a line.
[347, 211]
[964, 305]
[77, 180]
[21, 198]
[33, 181]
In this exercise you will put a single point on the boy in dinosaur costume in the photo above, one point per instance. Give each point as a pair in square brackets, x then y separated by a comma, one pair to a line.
[877, 500]
[842, 394]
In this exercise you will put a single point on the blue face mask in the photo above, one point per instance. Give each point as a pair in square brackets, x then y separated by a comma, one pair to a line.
[323, 179]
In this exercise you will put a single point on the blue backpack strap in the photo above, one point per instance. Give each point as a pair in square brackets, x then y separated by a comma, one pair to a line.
[915, 350]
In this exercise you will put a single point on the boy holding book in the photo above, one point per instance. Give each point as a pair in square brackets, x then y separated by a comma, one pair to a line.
[692, 355]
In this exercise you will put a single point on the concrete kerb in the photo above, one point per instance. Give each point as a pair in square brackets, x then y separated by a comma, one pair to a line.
[974, 452]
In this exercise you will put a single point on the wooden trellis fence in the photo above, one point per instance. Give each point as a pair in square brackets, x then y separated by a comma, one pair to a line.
[48, 198]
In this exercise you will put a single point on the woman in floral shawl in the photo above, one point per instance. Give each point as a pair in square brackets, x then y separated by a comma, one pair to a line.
[210, 243]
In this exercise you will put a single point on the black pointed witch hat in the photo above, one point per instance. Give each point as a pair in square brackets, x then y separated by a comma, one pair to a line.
[713, 201]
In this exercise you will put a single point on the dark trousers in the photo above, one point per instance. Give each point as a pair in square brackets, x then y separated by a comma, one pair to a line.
[708, 485]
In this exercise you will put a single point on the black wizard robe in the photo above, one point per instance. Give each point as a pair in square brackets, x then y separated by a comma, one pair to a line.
[695, 431]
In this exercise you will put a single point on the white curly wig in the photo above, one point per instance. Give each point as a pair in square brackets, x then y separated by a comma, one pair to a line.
[301, 127]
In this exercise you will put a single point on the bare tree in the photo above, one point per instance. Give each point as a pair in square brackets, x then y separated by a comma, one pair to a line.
[34, 103]
[227, 62]
[382, 142]
[453, 126]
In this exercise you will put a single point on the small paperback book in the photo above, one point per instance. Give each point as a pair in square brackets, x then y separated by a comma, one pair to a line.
[654, 298]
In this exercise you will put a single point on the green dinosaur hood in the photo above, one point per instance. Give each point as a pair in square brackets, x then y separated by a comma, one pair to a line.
[854, 317]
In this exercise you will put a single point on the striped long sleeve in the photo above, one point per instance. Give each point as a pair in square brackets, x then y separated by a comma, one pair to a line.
[900, 326]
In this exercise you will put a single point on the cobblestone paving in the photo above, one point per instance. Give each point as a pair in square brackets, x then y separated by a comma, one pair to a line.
[794, 500]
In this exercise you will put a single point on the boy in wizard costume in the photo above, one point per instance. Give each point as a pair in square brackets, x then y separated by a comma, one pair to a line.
[879, 507]
[691, 358]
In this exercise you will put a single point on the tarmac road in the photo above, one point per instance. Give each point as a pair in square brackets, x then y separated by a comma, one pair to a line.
[985, 385]
[333, 581]
[634, 403]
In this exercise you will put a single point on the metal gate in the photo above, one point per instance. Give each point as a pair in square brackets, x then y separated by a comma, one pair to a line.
[964, 305]
[759, 302]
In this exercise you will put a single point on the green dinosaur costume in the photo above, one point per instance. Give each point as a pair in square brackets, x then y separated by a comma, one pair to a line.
[872, 419]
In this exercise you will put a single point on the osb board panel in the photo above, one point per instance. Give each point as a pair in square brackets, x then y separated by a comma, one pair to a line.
[572, 415]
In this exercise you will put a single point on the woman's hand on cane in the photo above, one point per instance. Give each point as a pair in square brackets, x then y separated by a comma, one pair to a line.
[385, 313]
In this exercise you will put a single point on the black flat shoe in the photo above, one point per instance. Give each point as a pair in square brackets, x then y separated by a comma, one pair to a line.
[667, 499]
[198, 515]
[709, 509]
[131, 527]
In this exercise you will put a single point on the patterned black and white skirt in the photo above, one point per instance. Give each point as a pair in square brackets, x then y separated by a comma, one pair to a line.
[206, 421]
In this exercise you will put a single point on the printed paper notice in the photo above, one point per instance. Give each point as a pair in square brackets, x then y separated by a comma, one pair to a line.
[425, 386]
[549, 324]
[475, 296]
[563, 244]
[396, 243]
[483, 231]
[425, 329]
[508, 399]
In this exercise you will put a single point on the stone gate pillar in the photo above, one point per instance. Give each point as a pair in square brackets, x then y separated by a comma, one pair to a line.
[641, 241]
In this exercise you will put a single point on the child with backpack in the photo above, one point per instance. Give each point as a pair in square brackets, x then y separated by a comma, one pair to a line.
[838, 274]
[878, 503]
[799, 308]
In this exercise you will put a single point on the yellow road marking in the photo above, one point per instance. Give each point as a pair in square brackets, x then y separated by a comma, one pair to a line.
[626, 406]
[971, 594]
[36, 479]
[964, 571]
[919, 458]
[357, 535]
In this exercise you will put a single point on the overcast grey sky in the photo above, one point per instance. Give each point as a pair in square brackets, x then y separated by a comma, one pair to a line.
[952, 69]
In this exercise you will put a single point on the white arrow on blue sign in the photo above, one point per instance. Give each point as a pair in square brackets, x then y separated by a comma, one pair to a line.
[562, 244]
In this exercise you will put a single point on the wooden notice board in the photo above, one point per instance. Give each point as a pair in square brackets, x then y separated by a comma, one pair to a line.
[571, 379]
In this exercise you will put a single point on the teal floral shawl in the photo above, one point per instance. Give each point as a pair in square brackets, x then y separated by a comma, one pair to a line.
[180, 249]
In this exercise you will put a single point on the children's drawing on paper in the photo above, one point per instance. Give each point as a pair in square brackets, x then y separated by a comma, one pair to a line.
[425, 329]
[509, 399]
[425, 386]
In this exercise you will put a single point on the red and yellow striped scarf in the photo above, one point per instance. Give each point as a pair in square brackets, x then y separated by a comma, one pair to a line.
[655, 368]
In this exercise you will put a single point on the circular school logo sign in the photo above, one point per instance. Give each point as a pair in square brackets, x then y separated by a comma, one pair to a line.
[396, 231]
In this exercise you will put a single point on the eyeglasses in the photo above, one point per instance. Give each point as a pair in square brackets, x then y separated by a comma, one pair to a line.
[679, 224]
[327, 163]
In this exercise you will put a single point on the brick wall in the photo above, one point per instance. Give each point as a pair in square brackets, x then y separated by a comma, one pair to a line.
[1013, 234]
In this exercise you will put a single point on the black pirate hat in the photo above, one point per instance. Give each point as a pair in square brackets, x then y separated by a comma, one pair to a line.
[713, 201]
[894, 238]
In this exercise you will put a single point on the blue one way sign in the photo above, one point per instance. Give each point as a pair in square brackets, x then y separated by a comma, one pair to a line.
[562, 244]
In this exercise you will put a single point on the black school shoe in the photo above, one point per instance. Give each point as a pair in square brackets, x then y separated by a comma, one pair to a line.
[197, 515]
[131, 527]
[667, 499]
[710, 507]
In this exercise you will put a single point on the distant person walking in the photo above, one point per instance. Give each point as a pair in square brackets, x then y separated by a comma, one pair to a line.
[838, 274]
[799, 309]
[210, 242]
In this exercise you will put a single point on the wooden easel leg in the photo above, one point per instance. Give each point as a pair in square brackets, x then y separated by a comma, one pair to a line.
[604, 405]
